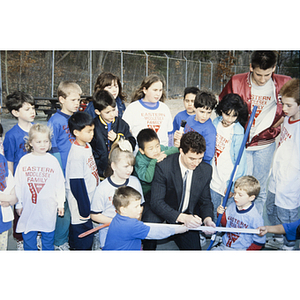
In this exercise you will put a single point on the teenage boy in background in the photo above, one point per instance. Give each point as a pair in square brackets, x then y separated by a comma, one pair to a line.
[260, 87]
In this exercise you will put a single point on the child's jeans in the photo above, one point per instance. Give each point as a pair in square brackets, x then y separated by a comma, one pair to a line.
[30, 242]
[62, 227]
[278, 215]
[258, 165]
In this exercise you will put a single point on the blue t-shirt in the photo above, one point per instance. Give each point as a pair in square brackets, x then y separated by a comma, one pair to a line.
[62, 139]
[14, 144]
[4, 226]
[125, 233]
[208, 131]
[183, 115]
[292, 232]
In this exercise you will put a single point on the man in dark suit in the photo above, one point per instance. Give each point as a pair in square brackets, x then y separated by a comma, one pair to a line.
[178, 196]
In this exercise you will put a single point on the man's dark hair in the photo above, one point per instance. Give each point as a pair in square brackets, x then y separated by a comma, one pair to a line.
[192, 141]
[146, 135]
[263, 59]
[79, 120]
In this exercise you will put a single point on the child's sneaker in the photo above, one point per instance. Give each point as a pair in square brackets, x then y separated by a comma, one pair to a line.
[274, 243]
[63, 247]
[39, 241]
[287, 248]
[20, 245]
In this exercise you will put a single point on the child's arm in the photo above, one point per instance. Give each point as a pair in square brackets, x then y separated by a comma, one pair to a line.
[169, 150]
[210, 139]
[55, 134]
[158, 232]
[237, 141]
[144, 171]
[177, 137]
[170, 138]
[111, 135]
[166, 151]
[124, 130]
[61, 211]
[79, 191]
[100, 218]
[8, 200]
[10, 165]
[276, 229]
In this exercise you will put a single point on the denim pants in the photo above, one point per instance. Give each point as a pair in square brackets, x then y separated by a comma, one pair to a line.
[31, 244]
[278, 215]
[216, 200]
[259, 165]
[62, 227]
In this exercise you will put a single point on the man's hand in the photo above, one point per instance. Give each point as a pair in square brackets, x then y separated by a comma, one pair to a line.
[190, 221]
[209, 222]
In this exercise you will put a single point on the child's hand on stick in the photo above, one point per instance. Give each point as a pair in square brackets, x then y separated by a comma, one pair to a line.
[220, 209]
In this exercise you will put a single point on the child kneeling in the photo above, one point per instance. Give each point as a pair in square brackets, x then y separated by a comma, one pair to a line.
[126, 232]
[242, 214]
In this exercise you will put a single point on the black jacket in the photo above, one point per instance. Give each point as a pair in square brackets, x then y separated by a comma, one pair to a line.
[100, 143]
[166, 190]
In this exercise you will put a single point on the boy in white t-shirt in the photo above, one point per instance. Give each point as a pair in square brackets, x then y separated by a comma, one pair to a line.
[284, 186]
[81, 180]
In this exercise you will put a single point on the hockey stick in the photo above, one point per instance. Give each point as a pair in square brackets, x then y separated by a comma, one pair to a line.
[212, 229]
[93, 230]
[234, 171]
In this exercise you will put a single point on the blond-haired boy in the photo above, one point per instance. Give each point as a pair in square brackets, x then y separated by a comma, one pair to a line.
[68, 94]
[242, 214]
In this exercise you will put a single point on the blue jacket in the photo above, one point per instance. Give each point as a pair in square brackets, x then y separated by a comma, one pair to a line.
[237, 139]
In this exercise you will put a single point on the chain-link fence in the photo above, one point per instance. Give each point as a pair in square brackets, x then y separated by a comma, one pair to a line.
[39, 72]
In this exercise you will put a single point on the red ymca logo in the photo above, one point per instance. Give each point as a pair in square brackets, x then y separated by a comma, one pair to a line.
[232, 237]
[220, 146]
[154, 127]
[35, 189]
[260, 102]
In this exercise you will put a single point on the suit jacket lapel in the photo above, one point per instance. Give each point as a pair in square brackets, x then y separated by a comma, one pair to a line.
[195, 184]
[177, 178]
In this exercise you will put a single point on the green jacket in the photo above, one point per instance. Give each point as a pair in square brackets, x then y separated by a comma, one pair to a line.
[144, 167]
